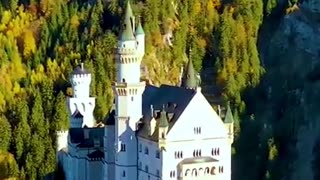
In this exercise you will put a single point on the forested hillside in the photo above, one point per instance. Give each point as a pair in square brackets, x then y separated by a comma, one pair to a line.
[41, 42]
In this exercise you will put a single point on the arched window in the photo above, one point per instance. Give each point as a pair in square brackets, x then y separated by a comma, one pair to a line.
[123, 80]
[206, 170]
[187, 172]
[194, 172]
[84, 107]
[213, 171]
[200, 172]
[124, 174]
[147, 169]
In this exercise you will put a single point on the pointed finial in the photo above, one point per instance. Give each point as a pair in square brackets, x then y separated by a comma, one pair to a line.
[139, 29]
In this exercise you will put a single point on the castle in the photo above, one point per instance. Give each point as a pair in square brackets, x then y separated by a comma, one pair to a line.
[152, 133]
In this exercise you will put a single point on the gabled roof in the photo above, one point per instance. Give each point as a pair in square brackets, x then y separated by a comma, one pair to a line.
[77, 136]
[176, 99]
[77, 114]
[96, 154]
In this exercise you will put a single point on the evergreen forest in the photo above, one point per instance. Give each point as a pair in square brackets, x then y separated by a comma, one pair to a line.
[237, 48]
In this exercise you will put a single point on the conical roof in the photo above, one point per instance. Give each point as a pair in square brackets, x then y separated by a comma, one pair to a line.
[139, 29]
[189, 79]
[80, 70]
[229, 117]
[127, 31]
[163, 120]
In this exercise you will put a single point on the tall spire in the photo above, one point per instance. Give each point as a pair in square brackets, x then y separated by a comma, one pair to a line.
[189, 79]
[228, 118]
[139, 29]
[163, 121]
[128, 24]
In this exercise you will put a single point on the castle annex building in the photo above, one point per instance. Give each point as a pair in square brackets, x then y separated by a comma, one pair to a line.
[153, 133]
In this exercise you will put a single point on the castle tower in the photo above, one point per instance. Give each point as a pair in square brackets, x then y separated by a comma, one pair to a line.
[128, 91]
[81, 100]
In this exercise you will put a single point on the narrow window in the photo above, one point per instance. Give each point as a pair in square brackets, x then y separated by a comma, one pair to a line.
[158, 154]
[131, 98]
[124, 174]
[123, 147]
[147, 169]
[158, 172]
[140, 148]
[146, 150]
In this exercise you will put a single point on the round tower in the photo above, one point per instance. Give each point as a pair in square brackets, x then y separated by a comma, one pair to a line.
[128, 60]
[80, 79]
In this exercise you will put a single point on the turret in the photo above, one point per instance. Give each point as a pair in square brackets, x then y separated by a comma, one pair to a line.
[80, 79]
[81, 100]
[127, 41]
[189, 79]
[228, 122]
[140, 37]
[163, 128]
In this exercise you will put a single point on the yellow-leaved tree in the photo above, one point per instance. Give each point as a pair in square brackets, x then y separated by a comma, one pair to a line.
[29, 44]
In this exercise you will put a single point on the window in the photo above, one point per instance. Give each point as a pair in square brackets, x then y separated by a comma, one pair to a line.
[148, 177]
[123, 147]
[131, 98]
[221, 169]
[146, 168]
[163, 135]
[194, 172]
[197, 130]
[140, 165]
[158, 172]
[124, 174]
[140, 147]
[187, 172]
[146, 150]
[213, 171]
[158, 154]
[215, 151]
[207, 170]
[178, 155]
[172, 174]
[197, 153]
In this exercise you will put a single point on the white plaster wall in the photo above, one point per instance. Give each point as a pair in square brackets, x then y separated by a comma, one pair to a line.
[85, 106]
[81, 85]
[170, 163]
[130, 72]
[154, 164]
[141, 44]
